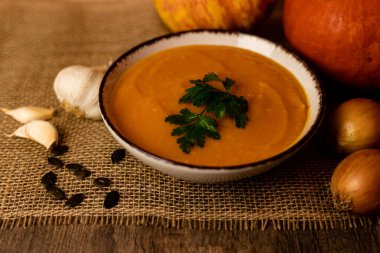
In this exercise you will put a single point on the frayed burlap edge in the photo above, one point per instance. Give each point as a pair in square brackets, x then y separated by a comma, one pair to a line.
[242, 225]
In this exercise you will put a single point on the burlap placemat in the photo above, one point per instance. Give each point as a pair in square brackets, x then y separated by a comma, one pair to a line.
[37, 39]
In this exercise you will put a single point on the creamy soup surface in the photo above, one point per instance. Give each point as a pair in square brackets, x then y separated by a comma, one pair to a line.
[149, 91]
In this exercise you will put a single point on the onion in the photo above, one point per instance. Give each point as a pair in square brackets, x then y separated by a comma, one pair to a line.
[355, 183]
[355, 125]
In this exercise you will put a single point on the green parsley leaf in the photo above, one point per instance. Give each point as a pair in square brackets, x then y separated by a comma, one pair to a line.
[194, 128]
[236, 108]
[217, 102]
[197, 95]
[185, 117]
[211, 77]
[228, 84]
[217, 105]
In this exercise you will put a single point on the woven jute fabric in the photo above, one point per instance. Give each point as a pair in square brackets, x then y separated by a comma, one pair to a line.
[40, 37]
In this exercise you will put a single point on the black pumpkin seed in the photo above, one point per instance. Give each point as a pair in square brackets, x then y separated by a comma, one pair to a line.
[82, 174]
[56, 193]
[118, 155]
[55, 161]
[59, 150]
[74, 167]
[49, 179]
[102, 182]
[75, 200]
[112, 199]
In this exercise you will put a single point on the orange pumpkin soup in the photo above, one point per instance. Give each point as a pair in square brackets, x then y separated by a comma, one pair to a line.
[150, 89]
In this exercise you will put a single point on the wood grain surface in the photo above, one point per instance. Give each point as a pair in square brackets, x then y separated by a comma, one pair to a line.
[85, 238]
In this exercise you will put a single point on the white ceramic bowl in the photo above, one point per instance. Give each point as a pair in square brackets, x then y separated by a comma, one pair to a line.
[264, 47]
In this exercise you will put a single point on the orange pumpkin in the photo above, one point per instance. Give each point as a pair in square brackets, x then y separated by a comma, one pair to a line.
[181, 15]
[341, 37]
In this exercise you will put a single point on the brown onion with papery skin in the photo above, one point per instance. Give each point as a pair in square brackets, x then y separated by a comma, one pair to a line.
[355, 183]
[355, 125]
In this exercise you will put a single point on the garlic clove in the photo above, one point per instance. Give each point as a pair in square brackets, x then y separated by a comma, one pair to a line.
[28, 113]
[39, 131]
[77, 89]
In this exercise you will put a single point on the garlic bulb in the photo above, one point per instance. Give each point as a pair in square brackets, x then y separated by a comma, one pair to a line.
[40, 131]
[77, 88]
[28, 113]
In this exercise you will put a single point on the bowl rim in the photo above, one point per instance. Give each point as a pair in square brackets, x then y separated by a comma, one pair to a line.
[296, 146]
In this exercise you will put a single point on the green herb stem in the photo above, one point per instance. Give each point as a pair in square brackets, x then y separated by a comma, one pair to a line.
[194, 128]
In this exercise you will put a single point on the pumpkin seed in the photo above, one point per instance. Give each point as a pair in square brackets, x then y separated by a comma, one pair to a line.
[75, 200]
[102, 182]
[112, 199]
[55, 161]
[82, 174]
[49, 179]
[74, 167]
[56, 193]
[118, 155]
[59, 150]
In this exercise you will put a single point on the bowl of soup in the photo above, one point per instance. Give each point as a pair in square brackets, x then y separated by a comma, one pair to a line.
[285, 103]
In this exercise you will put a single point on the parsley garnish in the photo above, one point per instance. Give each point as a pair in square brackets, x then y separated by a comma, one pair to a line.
[194, 128]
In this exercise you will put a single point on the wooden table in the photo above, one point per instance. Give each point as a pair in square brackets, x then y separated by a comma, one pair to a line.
[85, 238]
